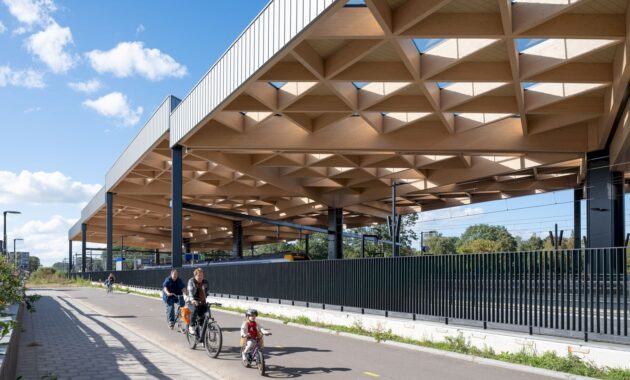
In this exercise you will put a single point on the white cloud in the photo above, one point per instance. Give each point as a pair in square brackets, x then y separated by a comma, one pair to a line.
[46, 239]
[2, 28]
[87, 87]
[49, 46]
[139, 29]
[32, 109]
[43, 188]
[21, 78]
[115, 105]
[129, 58]
[31, 12]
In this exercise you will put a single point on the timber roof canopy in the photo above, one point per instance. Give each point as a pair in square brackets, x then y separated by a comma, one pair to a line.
[464, 100]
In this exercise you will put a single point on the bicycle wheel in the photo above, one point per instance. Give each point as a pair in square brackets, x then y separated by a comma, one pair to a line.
[213, 340]
[260, 360]
[192, 339]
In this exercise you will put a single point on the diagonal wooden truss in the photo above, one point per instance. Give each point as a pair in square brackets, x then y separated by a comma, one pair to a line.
[464, 100]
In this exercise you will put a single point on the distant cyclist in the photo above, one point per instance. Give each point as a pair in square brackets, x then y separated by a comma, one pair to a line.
[109, 282]
[197, 293]
[173, 288]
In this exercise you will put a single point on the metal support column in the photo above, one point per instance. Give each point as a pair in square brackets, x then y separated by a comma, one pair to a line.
[176, 206]
[335, 233]
[83, 246]
[109, 201]
[237, 239]
[306, 243]
[157, 257]
[577, 218]
[69, 257]
[605, 202]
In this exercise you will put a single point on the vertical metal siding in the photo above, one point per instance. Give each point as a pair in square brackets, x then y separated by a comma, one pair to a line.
[273, 28]
[154, 129]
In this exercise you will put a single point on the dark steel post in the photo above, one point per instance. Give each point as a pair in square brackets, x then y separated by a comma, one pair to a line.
[577, 219]
[83, 246]
[157, 257]
[176, 206]
[109, 200]
[605, 202]
[335, 233]
[362, 246]
[394, 224]
[237, 239]
[69, 257]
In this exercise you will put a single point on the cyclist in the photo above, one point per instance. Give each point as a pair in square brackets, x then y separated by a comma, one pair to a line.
[109, 282]
[172, 287]
[197, 293]
[250, 332]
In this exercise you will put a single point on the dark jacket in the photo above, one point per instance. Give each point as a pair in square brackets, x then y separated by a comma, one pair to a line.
[193, 292]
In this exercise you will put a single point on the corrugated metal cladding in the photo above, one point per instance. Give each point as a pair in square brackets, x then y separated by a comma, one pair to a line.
[271, 31]
[154, 129]
[90, 209]
[75, 230]
[93, 205]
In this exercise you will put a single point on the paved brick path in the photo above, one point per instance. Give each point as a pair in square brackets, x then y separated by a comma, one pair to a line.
[75, 343]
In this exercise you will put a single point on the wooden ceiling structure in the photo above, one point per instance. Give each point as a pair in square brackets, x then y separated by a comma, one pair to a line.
[464, 101]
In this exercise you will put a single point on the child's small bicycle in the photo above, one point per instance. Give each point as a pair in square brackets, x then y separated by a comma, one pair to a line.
[256, 354]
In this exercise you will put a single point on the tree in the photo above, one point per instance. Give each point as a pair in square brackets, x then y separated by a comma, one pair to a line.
[480, 246]
[60, 267]
[408, 234]
[437, 244]
[33, 263]
[534, 243]
[498, 234]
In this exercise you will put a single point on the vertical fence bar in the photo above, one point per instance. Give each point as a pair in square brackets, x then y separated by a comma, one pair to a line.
[545, 289]
[617, 257]
[581, 272]
[625, 291]
[600, 270]
[574, 273]
[562, 289]
[610, 259]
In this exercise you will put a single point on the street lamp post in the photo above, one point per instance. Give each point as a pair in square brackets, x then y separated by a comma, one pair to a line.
[14, 251]
[5, 229]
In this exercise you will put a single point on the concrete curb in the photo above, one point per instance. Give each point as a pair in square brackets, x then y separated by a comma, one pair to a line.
[455, 355]
[10, 355]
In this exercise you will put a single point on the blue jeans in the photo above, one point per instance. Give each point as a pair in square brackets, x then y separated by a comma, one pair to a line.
[170, 307]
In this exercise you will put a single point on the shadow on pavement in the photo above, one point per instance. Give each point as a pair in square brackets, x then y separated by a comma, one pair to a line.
[280, 372]
[113, 352]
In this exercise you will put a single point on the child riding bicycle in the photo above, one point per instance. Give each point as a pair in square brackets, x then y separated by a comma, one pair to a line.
[251, 333]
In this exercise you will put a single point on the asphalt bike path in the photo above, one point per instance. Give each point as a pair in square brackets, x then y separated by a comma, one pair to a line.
[291, 352]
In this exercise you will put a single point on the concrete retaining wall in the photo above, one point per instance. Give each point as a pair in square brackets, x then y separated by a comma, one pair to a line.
[10, 344]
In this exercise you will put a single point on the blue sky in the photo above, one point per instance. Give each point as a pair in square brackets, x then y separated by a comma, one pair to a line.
[49, 127]
[79, 78]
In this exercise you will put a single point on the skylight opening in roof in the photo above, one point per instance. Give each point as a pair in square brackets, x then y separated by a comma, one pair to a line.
[523, 44]
[527, 85]
[425, 44]
[277, 85]
[360, 85]
[355, 3]
[442, 85]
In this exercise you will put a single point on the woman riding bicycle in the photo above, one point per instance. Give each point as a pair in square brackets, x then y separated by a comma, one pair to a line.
[197, 293]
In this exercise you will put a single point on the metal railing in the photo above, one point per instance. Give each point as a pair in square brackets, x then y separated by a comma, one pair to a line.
[577, 293]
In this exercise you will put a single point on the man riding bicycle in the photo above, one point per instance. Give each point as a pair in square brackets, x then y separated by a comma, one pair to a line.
[172, 288]
[197, 293]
